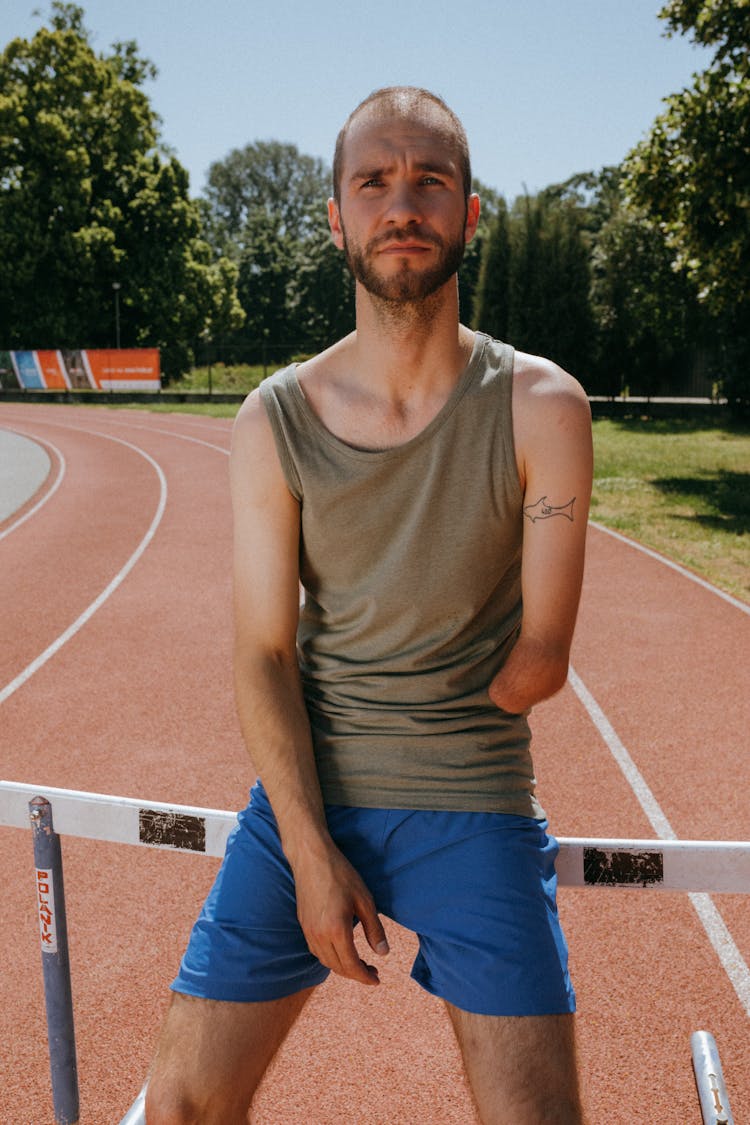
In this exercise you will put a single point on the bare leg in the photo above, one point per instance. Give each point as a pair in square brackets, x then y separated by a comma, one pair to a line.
[212, 1056]
[522, 1069]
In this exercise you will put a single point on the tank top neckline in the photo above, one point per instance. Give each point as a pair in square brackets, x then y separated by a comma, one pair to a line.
[463, 383]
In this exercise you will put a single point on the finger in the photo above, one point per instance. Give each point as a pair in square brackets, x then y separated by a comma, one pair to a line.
[339, 954]
[373, 927]
[349, 963]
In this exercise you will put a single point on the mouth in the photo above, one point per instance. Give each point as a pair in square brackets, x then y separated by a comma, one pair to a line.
[401, 248]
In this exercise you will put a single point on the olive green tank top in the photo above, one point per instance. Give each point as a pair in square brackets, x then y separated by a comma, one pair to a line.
[410, 558]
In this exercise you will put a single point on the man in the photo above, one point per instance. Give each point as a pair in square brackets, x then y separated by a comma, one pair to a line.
[422, 482]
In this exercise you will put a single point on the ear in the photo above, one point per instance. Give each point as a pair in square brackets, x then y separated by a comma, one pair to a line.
[473, 208]
[334, 222]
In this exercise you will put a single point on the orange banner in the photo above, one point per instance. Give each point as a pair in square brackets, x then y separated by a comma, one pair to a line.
[54, 375]
[123, 369]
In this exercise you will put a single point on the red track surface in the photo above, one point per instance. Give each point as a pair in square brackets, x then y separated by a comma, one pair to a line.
[138, 703]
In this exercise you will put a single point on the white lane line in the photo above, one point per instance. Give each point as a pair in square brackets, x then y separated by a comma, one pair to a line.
[125, 424]
[98, 602]
[722, 941]
[186, 437]
[175, 434]
[672, 565]
[49, 494]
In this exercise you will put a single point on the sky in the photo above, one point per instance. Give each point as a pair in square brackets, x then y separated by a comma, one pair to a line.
[545, 88]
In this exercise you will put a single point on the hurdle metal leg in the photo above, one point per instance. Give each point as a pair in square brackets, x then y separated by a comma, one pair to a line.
[53, 931]
[710, 1080]
[136, 1115]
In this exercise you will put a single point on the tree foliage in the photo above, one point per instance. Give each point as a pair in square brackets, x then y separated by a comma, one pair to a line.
[493, 286]
[269, 178]
[691, 175]
[468, 274]
[534, 281]
[265, 207]
[647, 314]
[723, 24]
[87, 200]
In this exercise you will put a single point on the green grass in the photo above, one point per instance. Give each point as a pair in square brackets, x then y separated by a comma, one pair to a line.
[240, 379]
[212, 409]
[680, 487]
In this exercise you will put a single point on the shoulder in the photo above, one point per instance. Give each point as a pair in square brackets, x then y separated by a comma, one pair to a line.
[539, 385]
[551, 414]
[251, 421]
[544, 396]
[253, 453]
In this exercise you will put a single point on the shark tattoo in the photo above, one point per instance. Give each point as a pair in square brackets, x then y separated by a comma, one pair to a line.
[542, 510]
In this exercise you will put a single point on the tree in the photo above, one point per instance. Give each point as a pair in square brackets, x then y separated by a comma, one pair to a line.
[534, 280]
[548, 303]
[88, 200]
[647, 313]
[468, 274]
[322, 295]
[492, 293]
[692, 173]
[271, 177]
[265, 208]
[595, 196]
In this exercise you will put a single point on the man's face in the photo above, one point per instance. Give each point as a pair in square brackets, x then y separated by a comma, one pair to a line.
[402, 220]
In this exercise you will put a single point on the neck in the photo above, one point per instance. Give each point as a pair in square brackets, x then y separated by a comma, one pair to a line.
[403, 348]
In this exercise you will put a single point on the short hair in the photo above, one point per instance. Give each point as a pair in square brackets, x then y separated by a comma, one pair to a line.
[404, 100]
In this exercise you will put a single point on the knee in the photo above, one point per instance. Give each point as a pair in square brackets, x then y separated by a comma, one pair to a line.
[172, 1103]
[168, 1105]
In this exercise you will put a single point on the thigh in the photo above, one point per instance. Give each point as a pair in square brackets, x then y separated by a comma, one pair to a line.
[522, 1070]
[212, 1056]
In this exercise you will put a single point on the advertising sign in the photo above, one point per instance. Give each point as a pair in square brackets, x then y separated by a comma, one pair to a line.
[123, 369]
[53, 371]
[101, 369]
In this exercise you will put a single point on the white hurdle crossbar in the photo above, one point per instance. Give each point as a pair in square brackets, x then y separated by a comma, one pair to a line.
[710, 866]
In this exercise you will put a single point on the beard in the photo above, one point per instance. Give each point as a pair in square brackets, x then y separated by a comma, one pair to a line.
[406, 284]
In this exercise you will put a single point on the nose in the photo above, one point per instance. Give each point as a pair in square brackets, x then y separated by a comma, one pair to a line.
[404, 205]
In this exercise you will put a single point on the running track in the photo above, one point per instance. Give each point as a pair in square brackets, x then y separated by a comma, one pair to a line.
[115, 677]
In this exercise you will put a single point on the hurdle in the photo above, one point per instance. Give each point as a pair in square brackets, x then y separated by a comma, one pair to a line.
[657, 865]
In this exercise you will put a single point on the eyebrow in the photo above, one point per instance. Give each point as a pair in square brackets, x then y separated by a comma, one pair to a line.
[440, 167]
[368, 173]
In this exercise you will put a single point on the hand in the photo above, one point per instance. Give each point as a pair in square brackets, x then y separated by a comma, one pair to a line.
[330, 894]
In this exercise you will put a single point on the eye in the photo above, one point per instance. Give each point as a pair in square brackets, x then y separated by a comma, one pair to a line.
[430, 180]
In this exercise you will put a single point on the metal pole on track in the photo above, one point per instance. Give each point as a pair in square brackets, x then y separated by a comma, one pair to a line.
[710, 1080]
[136, 1115]
[53, 931]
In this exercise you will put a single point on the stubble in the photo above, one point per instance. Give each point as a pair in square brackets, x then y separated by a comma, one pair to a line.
[407, 295]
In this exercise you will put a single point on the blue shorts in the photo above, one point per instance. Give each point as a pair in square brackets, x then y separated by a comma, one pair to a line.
[477, 888]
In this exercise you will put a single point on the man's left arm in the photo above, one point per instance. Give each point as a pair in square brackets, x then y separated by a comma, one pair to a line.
[552, 429]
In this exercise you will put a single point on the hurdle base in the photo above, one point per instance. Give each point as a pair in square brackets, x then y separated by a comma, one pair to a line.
[136, 1115]
[709, 1080]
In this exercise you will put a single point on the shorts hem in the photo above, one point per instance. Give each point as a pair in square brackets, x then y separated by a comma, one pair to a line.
[241, 993]
[563, 1008]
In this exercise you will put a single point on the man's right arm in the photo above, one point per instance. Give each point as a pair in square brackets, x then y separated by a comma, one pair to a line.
[269, 697]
